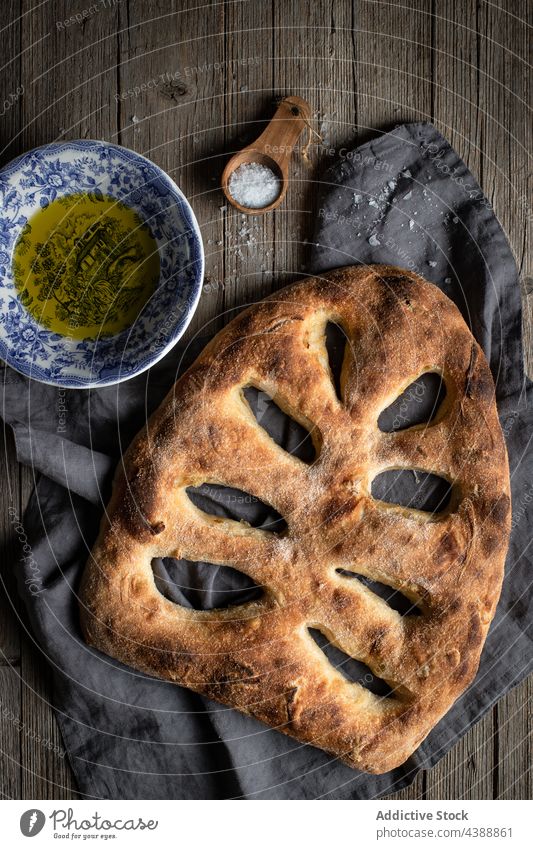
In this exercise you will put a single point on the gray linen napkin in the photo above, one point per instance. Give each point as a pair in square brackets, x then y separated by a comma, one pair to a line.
[406, 199]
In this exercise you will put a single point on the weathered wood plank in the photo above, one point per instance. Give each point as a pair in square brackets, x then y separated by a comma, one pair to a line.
[11, 95]
[466, 772]
[514, 779]
[249, 244]
[12, 90]
[178, 61]
[313, 58]
[457, 81]
[68, 70]
[504, 59]
[10, 726]
[505, 96]
[394, 64]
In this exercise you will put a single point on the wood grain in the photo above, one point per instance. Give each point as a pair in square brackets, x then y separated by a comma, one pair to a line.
[506, 140]
[188, 88]
[10, 643]
[313, 58]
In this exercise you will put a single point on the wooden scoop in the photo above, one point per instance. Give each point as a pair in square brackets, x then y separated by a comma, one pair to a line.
[273, 148]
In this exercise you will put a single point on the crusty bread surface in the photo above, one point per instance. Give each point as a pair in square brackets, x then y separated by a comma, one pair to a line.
[260, 657]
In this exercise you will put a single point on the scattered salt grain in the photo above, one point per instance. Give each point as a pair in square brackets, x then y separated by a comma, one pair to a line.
[411, 224]
[406, 173]
[432, 264]
[447, 279]
[254, 186]
[374, 241]
[407, 196]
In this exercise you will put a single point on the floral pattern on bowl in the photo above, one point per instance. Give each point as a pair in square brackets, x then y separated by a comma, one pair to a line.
[44, 174]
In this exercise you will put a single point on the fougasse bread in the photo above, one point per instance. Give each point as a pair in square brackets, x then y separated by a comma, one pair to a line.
[260, 657]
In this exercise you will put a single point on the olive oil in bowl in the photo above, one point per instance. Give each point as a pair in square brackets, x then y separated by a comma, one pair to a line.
[85, 265]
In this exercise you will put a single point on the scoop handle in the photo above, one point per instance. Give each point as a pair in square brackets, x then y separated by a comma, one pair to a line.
[279, 138]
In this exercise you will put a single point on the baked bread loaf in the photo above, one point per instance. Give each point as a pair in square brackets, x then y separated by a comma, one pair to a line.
[260, 657]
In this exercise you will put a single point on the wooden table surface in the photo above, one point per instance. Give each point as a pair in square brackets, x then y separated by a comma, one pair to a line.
[186, 84]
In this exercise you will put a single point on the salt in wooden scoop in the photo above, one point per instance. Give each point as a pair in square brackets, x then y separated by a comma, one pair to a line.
[264, 164]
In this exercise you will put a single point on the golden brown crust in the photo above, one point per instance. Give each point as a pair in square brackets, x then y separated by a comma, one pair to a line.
[259, 657]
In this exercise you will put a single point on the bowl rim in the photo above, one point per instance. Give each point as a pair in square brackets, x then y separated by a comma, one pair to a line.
[197, 259]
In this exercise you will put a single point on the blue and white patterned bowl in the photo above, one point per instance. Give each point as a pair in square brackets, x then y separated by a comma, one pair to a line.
[39, 177]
